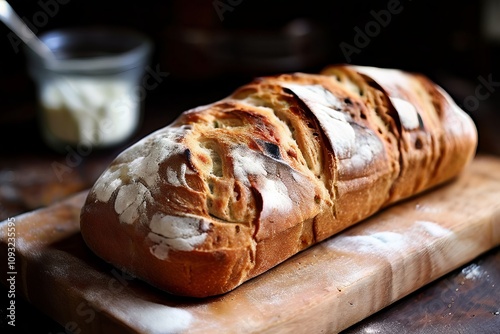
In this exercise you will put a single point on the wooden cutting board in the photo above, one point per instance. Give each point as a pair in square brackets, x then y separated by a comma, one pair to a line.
[324, 289]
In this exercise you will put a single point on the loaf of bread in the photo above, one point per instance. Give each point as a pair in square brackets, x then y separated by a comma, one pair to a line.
[231, 189]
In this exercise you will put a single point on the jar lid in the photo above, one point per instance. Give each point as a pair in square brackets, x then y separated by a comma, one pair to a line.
[93, 50]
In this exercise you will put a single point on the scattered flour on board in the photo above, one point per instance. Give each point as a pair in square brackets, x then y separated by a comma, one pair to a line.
[472, 272]
[432, 229]
[141, 315]
[365, 252]
[156, 318]
[388, 243]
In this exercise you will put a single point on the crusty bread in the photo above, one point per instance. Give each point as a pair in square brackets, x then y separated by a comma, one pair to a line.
[231, 189]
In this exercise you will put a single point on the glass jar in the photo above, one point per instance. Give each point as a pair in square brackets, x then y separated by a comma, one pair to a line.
[89, 94]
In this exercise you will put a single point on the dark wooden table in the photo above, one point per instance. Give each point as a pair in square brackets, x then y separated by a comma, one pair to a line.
[466, 300]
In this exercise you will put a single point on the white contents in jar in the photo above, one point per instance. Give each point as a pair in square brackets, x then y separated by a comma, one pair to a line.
[100, 112]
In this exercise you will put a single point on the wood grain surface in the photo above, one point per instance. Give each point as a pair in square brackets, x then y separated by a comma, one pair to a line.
[326, 288]
[466, 300]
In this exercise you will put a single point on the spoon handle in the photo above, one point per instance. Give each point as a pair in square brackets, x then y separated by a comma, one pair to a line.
[14, 22]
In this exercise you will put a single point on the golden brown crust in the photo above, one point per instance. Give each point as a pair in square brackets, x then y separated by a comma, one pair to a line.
[231, 189]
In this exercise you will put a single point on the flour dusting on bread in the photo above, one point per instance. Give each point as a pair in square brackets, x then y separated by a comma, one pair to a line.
[176, 232]
[407, 113]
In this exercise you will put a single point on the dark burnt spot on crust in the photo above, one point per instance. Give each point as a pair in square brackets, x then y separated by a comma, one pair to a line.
[189, 156]
[418, 144]
[420, 122]
[273, 150]
[347, 101]
[270, 149]
[288, 91]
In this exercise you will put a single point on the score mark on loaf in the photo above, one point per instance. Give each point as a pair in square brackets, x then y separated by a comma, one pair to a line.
[231, 189]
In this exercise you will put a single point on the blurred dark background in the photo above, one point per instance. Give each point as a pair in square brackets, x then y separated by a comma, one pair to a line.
[209, 47]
